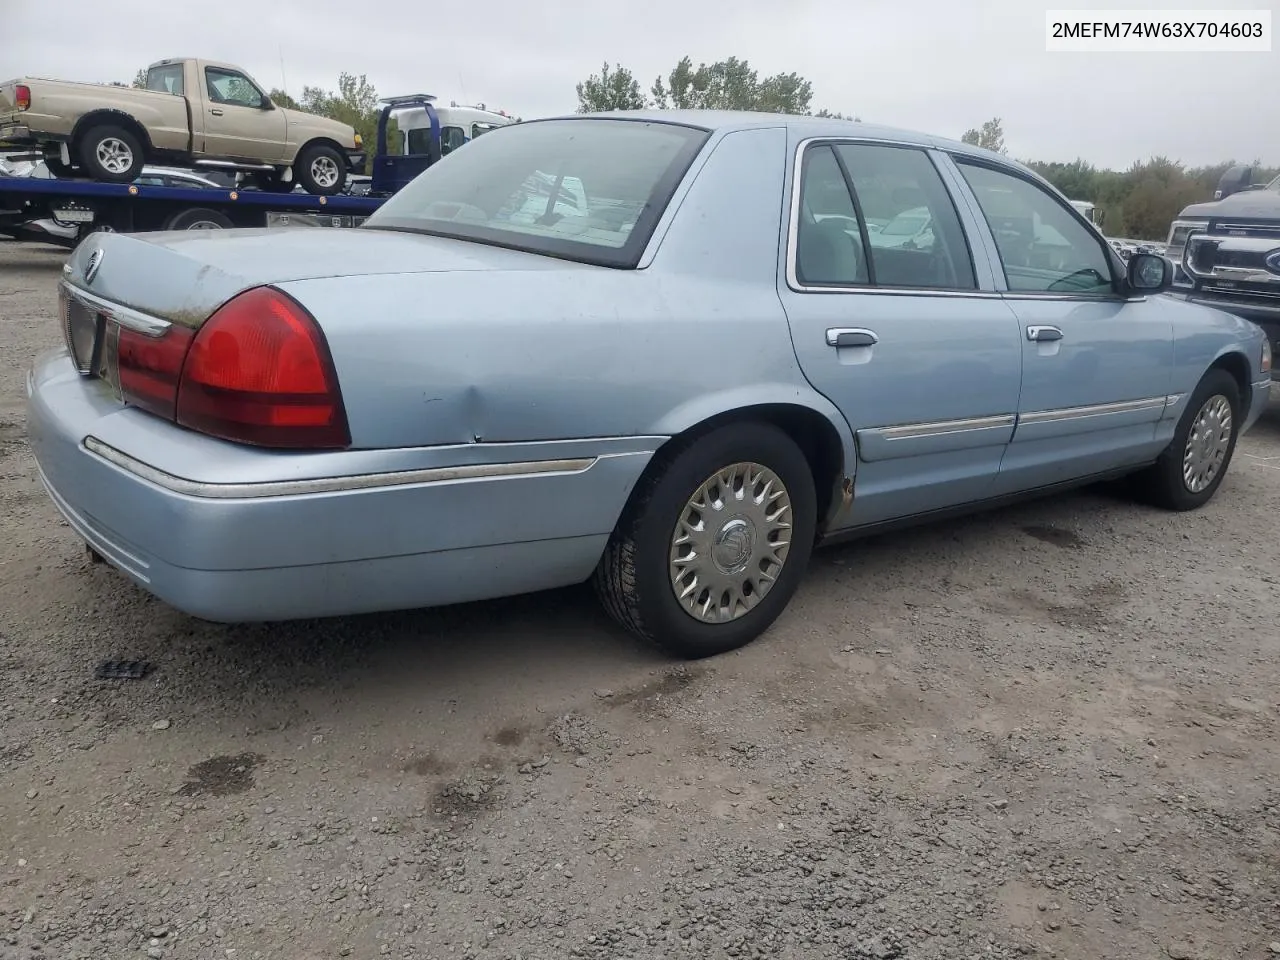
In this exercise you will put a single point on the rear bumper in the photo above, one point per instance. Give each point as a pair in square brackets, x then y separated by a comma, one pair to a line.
[269, 539]
[15, 133]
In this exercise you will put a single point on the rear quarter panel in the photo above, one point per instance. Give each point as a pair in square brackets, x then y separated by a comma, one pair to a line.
[582, 351]
[57, 106]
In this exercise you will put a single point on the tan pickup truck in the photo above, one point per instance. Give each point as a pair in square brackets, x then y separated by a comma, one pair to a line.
[194, 113]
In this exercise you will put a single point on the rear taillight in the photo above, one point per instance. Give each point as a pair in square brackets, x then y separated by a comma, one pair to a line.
[259, 372]
[149, 368]
[22, 97]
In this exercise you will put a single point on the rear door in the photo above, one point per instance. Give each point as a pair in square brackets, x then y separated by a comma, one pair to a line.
[905, 334]
[1097, 365]
[239, 120]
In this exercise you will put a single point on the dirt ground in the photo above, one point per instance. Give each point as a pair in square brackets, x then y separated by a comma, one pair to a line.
[1048, 732]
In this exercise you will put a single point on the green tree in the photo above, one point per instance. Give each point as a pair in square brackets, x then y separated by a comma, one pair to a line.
[140, 80]
[990, 136]
[826, 114]
[610, 89]
[730, 84]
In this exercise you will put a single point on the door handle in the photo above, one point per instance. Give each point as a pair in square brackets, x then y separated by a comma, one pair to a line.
[851, 337]
[1043, 334]
[216, 112]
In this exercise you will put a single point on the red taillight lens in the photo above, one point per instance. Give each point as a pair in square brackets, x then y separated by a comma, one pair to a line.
[22, 97]
[259, 372]
[150, 367]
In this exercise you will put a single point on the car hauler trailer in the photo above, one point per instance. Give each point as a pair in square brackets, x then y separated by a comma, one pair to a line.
[133, 207]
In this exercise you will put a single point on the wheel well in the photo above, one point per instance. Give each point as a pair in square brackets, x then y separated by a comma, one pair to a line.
[316, 141]
[812, 432]
[102, 117]
[1236, 365]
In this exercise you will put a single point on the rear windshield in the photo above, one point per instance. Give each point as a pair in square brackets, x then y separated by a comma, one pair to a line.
[166, 79]
[590, 190]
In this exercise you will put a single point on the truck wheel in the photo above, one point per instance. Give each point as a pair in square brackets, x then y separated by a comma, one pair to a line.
[321, 169]
[713, 543]
[111, 154]
[198, 218]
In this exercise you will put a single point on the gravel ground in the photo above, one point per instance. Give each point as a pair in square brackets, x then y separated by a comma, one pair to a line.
[1047, 732]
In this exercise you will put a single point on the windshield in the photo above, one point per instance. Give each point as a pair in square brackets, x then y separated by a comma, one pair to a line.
[590, 190]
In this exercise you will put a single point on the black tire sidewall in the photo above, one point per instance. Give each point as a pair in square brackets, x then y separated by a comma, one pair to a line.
[302, 170]
[666, 621]
[1175, 492]
[179, 220]
[89, 156]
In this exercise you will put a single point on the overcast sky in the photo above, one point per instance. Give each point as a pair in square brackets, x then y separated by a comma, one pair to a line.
[935, 65]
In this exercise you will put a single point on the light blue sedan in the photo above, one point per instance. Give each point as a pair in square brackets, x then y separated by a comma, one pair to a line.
[674, 375]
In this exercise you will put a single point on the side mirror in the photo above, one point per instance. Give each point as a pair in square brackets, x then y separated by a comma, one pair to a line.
[1149, 273]
[1235, 179]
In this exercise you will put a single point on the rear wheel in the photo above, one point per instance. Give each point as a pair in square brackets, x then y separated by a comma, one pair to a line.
[1192, 467]
[111, 154]
[321, 169]
[198, 218]
[713, 544]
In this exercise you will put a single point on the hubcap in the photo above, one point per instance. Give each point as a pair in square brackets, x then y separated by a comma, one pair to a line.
[205, 225]
[1207, 444]
[324, 171]
[730, 542]
[114, 155]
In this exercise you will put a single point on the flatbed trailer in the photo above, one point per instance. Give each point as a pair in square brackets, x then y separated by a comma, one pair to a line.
[131, 207]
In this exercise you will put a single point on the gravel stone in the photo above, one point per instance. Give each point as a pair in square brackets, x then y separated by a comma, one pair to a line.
[946, 749]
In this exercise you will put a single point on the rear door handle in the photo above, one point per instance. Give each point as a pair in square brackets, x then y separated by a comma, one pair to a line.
[216, 112]
[851, 337]
[1043, 334]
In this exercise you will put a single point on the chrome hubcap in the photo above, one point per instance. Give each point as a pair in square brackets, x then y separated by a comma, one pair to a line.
[114, 155]
[730, 542]
[1207, 444]
[324, 171]
[205, 225]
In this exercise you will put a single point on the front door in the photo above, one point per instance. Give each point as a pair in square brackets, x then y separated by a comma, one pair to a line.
[1096, 366]
[238, 123]
[899, 328]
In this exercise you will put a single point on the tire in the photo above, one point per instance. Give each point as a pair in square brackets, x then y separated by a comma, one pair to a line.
[198, 218]
[1166, 484]
[111, 154]
[321, 169]
[635, 577]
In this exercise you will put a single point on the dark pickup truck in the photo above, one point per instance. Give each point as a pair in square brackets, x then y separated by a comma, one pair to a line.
[1227, 251]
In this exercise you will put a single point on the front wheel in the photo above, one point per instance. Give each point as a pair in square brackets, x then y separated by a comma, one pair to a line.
[1192, 467]
[321, 169]
[713, 544]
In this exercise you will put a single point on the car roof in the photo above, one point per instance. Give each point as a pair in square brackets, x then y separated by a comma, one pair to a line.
[725, 121]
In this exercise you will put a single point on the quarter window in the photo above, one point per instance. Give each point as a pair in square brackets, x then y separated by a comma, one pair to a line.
[880, 215]
[1043, 246]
